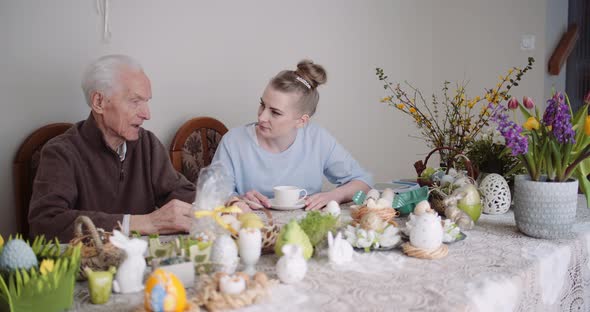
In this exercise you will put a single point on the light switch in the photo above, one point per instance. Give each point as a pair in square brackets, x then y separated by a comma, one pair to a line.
[527, 42]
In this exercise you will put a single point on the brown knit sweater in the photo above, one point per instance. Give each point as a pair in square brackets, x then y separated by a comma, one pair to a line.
[79, 174]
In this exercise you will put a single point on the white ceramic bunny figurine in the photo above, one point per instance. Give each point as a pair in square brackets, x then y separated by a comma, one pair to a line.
[340, 250]
[129, 277]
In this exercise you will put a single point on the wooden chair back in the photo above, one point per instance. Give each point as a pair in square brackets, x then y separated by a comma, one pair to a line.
[25, 167]
[195, 144]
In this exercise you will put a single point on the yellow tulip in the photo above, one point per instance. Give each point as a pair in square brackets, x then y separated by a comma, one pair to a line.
[587, 126]
[46, 266]
[531, 123]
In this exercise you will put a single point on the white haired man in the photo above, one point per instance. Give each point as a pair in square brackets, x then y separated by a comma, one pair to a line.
[107, 167]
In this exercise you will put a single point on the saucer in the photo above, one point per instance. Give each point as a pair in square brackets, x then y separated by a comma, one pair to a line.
[300, 204]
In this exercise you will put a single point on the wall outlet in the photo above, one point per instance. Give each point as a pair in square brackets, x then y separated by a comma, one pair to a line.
[527, 42]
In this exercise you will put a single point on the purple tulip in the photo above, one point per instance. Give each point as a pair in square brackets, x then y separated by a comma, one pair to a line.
[513, 103]
[528, 102]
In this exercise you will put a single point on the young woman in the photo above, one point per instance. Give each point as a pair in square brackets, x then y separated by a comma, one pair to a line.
[285, 148]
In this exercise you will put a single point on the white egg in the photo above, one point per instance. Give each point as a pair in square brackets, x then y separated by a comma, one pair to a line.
[495, 193]
[333, 208]
[371, 203]
[388, 194]
[453, 172]
[232, 284]
[426, 232]
[461, 181]
[224, 254]
[373, 193]
[447, 179]
[421, 207]
[384, 203]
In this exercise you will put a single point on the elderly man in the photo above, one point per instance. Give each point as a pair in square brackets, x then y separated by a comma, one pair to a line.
[107, 167]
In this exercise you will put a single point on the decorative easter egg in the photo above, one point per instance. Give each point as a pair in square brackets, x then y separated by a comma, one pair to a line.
[333, 208]
[422, 207]
[384, 203]
[373, 193]
[372, 221]
[388, 194]
[232, 284]
[372, 204]
[447, 179]
[471, 202]
[164, 292]
[224, 254]
[495, 194]
[426, 232]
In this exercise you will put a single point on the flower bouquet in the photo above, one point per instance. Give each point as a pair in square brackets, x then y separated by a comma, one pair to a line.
[553, 149]
[554, 146]
[454, 119]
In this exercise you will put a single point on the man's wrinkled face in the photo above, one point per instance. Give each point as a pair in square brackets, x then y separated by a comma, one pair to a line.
[125, 110]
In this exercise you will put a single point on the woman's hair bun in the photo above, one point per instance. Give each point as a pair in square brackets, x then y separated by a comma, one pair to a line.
[314, 74]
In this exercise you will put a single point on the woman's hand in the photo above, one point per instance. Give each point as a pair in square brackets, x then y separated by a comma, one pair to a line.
[318, 201]
[238, 202]
[256, 198]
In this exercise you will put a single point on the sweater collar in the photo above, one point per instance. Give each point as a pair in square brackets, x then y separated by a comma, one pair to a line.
[95, 137]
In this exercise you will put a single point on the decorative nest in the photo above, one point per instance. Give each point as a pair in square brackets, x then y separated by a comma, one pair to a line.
[436, 202]
[386, 214]
[209, 295]
[97, 251]
[270, 233]
[415, 252]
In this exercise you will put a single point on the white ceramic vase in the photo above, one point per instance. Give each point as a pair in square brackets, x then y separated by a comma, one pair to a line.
[545, 209]
[249, 247]
[291, 268]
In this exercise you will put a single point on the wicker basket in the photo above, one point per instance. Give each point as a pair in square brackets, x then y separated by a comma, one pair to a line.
[386, 214]
[435, 197]
[270, 233]
[97, 251]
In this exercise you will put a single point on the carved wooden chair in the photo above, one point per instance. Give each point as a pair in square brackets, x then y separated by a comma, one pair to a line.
[194, 145]
[24, 169]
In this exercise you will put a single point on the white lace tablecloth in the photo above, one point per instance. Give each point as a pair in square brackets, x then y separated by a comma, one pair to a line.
[496, 268]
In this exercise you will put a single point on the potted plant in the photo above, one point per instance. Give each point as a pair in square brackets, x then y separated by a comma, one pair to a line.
[554, 148]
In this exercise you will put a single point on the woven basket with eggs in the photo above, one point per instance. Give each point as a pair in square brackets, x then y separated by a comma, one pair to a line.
[436, 198]
[386, 214]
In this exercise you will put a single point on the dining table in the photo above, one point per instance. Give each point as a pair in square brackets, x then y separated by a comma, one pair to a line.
[495, 268]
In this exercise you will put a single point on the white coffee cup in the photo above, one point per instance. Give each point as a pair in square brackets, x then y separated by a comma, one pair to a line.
[288, 195]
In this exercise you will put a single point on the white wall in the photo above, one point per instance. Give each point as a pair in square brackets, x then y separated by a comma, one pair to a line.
[215, 57]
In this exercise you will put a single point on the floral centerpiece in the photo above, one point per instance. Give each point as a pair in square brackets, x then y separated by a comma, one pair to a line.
[553, 147]
[454, 119]
[556, 144]
[488, 153]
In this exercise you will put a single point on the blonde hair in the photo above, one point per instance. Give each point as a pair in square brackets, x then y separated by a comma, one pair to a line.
[304, 80]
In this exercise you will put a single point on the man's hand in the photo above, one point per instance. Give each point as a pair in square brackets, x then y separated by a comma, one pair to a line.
[176, 216]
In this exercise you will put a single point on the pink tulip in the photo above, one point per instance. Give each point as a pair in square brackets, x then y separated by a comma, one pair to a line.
[528, 102]
[513, 103]
[587, 98]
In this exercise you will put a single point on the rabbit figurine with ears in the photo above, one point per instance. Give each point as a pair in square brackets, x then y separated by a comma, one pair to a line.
[129, 278]
[340, 250]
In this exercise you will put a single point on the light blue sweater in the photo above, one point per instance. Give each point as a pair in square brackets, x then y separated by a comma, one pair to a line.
[314, 153]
